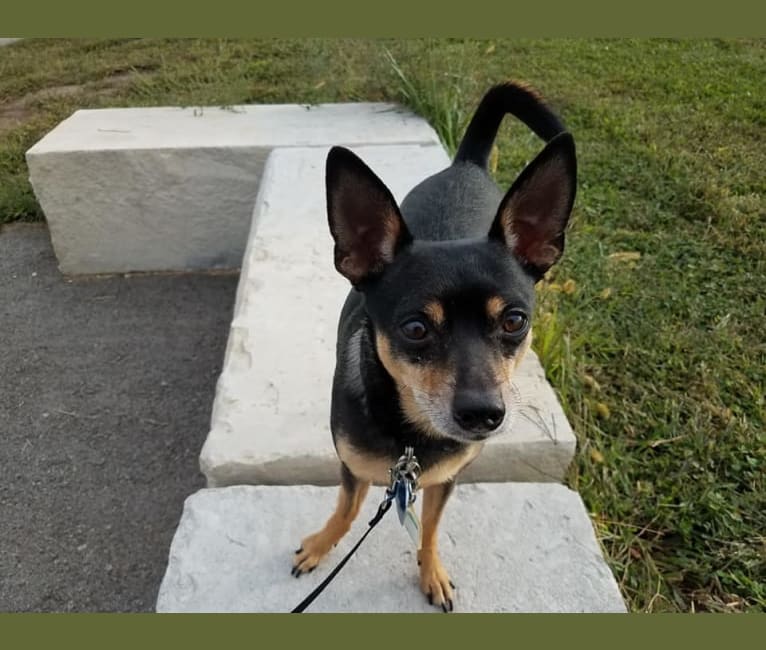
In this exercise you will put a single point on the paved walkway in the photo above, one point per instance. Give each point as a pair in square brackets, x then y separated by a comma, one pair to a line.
[105, 394]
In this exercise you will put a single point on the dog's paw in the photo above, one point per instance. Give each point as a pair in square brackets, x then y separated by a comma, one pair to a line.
[312, 550]
[434, 581]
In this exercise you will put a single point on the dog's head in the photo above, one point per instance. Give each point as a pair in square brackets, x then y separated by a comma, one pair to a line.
[452, 319]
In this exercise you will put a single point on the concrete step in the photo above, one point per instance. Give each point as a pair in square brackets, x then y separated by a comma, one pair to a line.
[271, 414]
[519, 547]
[155, 189]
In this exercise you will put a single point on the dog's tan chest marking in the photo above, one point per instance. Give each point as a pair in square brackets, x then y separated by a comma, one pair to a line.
[364, 466]
[450, 467]
[374, 469]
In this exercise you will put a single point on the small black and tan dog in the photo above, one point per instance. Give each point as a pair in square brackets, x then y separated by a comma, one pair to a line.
[440, 313]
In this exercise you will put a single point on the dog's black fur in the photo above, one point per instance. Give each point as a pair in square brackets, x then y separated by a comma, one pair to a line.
[440, 313]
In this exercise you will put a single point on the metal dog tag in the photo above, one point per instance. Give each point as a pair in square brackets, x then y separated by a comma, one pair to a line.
[411, 524]
[403, 497]
[404, 482]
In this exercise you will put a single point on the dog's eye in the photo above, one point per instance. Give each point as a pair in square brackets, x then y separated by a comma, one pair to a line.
[415, 329]
[515, 322]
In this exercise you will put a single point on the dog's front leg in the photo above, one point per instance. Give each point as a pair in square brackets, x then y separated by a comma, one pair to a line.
[434, 580]
[315, 547]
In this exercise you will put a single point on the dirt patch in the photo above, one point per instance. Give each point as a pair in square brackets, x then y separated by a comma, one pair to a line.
[15, 113]
[12, 115]
[18, 111]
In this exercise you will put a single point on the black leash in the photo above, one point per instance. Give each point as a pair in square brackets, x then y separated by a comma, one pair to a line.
[382, 509]
[404, 483]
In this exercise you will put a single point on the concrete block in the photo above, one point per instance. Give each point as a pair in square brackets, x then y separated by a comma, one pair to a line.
[271, 414]
[153, 189]
[520, 547]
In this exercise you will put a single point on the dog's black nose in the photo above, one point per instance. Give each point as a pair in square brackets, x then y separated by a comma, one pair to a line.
[478, 412]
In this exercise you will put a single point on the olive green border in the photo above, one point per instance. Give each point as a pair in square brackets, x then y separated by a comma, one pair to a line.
[34, 18]
[644, 632]
[403, 18]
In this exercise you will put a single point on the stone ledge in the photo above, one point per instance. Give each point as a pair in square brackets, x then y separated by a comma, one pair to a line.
[159, 189]
[508, 547]
[255, 125]
[271, 413]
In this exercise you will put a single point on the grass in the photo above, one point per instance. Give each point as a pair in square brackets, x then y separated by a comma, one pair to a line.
[651, 329]
[437, 97]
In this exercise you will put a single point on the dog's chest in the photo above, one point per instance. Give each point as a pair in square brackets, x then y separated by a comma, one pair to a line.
[375, 468]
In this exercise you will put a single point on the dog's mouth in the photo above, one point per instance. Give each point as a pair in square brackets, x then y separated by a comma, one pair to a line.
[477, 436]
[458, 433]
[470, 437]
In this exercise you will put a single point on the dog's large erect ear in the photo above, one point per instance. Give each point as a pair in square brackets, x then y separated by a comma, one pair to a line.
[365, 221]
[533, 215]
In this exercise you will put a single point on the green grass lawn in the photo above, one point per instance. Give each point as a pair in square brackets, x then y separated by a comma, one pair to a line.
[652, 329]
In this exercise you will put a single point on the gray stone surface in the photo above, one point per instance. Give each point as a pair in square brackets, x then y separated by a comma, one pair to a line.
[147, 189]
[105, 393]
[271, 416]
[520, 547]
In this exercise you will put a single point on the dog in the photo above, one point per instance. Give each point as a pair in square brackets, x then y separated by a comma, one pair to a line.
[440, 313]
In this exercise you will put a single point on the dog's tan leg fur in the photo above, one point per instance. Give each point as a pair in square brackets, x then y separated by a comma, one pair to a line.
[434, 580]
[315, 547]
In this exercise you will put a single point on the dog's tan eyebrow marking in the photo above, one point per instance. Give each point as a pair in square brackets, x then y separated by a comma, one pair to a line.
[495, 306]
[435, 311]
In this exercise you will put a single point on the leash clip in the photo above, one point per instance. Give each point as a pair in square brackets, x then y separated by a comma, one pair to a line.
[405, 470]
